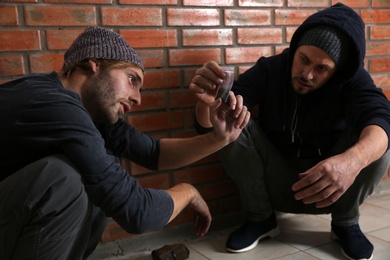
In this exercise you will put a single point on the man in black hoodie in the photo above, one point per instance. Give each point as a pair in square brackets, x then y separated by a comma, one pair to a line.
[320, 144]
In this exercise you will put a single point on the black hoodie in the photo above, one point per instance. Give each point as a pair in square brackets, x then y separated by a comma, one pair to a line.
[307, 126]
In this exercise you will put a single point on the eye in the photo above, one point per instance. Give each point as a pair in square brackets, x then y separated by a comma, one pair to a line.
[131, 80]
[303, 59]
[324, 68]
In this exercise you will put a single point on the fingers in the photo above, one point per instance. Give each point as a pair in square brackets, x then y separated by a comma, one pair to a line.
[243, 119]
[207, 78]
[203, 218]
[307, 178]
[324, 198]
[318, 188]
[202, 224]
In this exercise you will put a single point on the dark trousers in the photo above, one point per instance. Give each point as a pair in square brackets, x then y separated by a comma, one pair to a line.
[264, 178]
[45, 213]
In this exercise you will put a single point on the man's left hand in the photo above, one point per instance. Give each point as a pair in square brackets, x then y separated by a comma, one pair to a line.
[327, 181]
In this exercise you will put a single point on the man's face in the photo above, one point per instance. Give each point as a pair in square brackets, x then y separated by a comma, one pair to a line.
[311, 69]
[112, 93]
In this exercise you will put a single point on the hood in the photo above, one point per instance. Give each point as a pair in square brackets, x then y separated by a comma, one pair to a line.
[348, 22]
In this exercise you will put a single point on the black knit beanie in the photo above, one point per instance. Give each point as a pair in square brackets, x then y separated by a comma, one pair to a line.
[99, 43]
[329, 40]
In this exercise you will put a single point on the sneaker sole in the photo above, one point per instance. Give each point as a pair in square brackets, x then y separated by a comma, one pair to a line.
[335, 237]
[272, 233]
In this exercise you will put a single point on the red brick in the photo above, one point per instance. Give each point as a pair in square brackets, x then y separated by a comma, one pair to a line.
[20, 1]
[36, 15]
[200, 174]
[307, 3]
[218, 190]
[155, 181]
[12, 65]
[377, 48]
[181, 99]
[192, 17]
[242, 69]
[246, 54]
[292, 17]
[230, 205]
[265, 3]
[182, 57]
[387, 93]
[61, 39]
[208, 2]
[19, 40]
[151, 100]
[184, 133]
[45, 63]
[279, 49]
[375, 16]
[207, 37]
[380, 32]
[152, 58]
[131, 16]
[259, 35]
[379, 65]
[9, 15]
[80, 1]
[157, 121]
[125, 164]
[381, 3]
[186, 216]
[150, 38]
[155, 79]
[189, 74]
[138, 169]
[148, 2]
[253, 17]
[382, 81]
[353, 3]
[289, 33]
[3, 81]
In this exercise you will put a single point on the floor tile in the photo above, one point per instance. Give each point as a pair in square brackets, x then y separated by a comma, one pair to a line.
[382, 201]
[373, 218]
[297, 256]
[381, 248]
[331, 251]
[304, 231]
[268, 249]
[383, 234]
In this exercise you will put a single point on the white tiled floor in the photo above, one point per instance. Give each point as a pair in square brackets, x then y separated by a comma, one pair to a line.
[303, 237]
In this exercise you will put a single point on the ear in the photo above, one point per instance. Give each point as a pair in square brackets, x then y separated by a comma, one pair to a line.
[94, 65]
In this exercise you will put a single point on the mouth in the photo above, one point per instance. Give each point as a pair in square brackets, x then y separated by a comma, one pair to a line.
[304, 84]
[124, 108]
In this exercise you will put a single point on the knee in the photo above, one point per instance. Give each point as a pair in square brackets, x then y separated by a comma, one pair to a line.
[58, 170]
[371, 175]
[54, 182]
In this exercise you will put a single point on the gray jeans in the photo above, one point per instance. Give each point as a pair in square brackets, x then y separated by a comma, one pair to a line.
[264, 178]
[45, 213]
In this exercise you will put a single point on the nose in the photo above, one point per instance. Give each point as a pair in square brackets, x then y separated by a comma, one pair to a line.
[135, 98]
[307, 73]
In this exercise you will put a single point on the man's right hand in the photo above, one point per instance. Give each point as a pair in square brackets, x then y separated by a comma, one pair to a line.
[184, 195]
[204, 85]
[206, 81]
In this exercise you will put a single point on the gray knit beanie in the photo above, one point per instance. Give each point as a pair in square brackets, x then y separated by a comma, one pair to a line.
[99, 43]
[329, 40]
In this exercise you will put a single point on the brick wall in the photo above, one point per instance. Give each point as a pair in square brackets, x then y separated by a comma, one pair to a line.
[173, 38]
